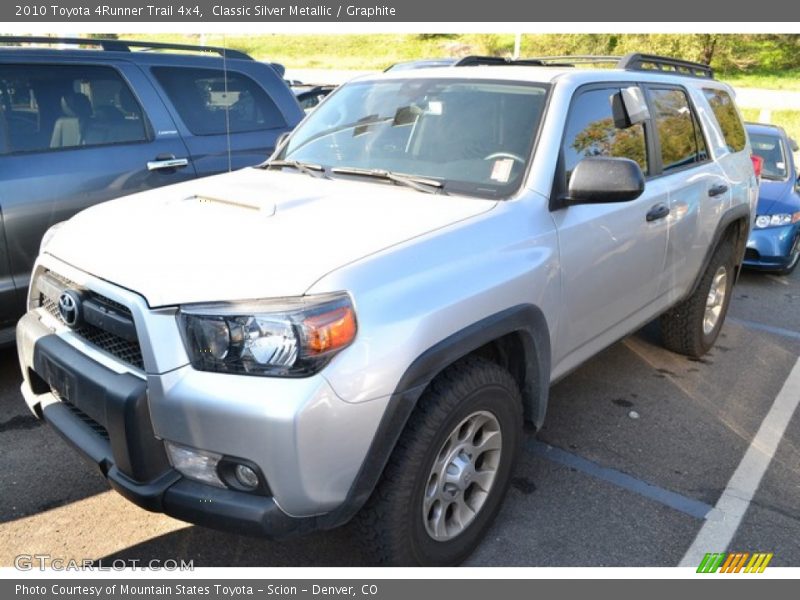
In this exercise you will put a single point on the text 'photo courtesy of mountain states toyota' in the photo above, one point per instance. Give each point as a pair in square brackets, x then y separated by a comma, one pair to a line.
[84, 121]
[358, 328]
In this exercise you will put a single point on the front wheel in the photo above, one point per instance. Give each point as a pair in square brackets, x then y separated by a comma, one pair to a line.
[692, 327]
[447, 477]
[794, 259]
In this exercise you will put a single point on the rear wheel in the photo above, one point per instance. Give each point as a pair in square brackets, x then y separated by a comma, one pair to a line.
[447, 477]
[692, 327]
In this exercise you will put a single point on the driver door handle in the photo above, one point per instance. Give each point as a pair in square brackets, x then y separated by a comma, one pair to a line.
[166, 161]
[659, 211]
[717, 190]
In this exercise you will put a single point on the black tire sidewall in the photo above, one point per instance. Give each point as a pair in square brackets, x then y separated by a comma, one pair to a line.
[722, 257]
[496, 400]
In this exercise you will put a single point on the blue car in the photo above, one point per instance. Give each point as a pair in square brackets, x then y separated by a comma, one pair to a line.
[774, 243]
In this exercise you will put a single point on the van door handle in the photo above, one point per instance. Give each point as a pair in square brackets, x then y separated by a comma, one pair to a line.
[166, 161]
[717, 190]
[659, 211]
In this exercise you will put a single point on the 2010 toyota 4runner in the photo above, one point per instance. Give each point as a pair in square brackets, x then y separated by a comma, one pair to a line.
[359, 326]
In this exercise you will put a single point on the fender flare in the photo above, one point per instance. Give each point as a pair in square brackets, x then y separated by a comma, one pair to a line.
[526, 320]
[736, 213]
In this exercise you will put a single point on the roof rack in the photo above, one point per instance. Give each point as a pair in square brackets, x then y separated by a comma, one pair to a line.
[651, 62]
[122, 45]
[630, 62]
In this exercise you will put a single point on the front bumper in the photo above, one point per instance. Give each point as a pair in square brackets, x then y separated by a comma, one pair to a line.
[308, 444]
[771, 248]
[104, 416]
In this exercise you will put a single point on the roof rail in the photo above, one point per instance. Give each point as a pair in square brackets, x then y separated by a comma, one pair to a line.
[575, 59]
[651, 62]
[630, 62]
[122, 45]
[474, 61]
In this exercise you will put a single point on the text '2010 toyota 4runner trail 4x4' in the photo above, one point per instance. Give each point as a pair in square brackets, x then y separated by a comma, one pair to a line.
[360, 326]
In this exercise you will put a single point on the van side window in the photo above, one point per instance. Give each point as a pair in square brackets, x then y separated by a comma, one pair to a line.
[679, 133]
[591, 131]
[728, 118]
[55, 107]
[210, 104]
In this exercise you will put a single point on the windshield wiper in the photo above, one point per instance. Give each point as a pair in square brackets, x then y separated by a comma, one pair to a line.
[308, 168]
[421, 184]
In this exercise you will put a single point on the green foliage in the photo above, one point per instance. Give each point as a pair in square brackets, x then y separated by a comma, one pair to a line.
[772, 60]
[789, 120]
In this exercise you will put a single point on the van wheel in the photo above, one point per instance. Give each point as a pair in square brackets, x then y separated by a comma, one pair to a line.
[450, 470]
[692, 327]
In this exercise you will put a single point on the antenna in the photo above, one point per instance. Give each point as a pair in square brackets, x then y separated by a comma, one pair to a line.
[227, 103]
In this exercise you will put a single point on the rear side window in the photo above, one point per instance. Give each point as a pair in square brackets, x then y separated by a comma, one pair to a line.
[55, 107]
[591, 132]
[679, 133]
[211, 105]
[727, 117]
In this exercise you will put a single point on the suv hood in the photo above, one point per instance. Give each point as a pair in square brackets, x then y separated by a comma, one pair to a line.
[247, 235]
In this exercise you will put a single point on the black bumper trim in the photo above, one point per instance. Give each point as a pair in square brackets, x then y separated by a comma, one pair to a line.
[232, 511]
[92, 447]
[117, 401]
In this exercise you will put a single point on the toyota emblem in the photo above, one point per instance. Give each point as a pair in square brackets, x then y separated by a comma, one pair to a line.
[69, 307]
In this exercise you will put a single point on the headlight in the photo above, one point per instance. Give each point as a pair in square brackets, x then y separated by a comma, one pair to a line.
[777, 220]
[48, 235]
[287, 337]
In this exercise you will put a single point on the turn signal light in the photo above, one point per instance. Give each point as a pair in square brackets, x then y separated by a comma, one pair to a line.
[331, 330]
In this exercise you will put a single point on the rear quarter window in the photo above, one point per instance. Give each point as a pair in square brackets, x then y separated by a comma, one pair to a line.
[728, 118]
[679, 133]
[212, 102]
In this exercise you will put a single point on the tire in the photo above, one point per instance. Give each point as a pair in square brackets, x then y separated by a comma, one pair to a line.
[394, 525]
[795, 258]
[684, 327]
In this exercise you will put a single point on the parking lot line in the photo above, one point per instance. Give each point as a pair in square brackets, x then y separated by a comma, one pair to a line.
[688, 506]
[723, 522]
[788, 333]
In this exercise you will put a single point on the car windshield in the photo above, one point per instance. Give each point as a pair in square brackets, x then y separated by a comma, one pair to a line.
[472, 137]
[770, 149]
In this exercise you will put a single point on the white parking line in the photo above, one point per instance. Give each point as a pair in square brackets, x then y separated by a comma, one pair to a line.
[723, 522]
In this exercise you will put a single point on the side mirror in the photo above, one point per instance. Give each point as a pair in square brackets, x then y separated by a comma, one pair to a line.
[793, 145]
[629, 107]
[603, 180]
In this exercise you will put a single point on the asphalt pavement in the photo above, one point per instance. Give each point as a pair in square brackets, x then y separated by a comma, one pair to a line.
[638, 448]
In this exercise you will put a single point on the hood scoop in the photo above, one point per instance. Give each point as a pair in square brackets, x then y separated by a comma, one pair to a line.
[263, 209]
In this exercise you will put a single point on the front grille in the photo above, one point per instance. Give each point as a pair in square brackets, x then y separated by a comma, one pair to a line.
[127, 351]
[94, 425]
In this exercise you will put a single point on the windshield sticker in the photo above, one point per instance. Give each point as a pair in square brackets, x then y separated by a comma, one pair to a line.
[434, 107]
[780, 165]
[501, 171]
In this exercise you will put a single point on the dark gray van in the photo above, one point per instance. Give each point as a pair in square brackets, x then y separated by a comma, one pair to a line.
[83, 121]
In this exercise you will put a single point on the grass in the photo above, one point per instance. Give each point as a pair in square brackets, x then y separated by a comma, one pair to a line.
[788, 80]
[789, 120]
[378, 51]
[751, 115]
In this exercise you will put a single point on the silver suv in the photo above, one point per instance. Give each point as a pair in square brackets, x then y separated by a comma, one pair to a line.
[360, 326]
